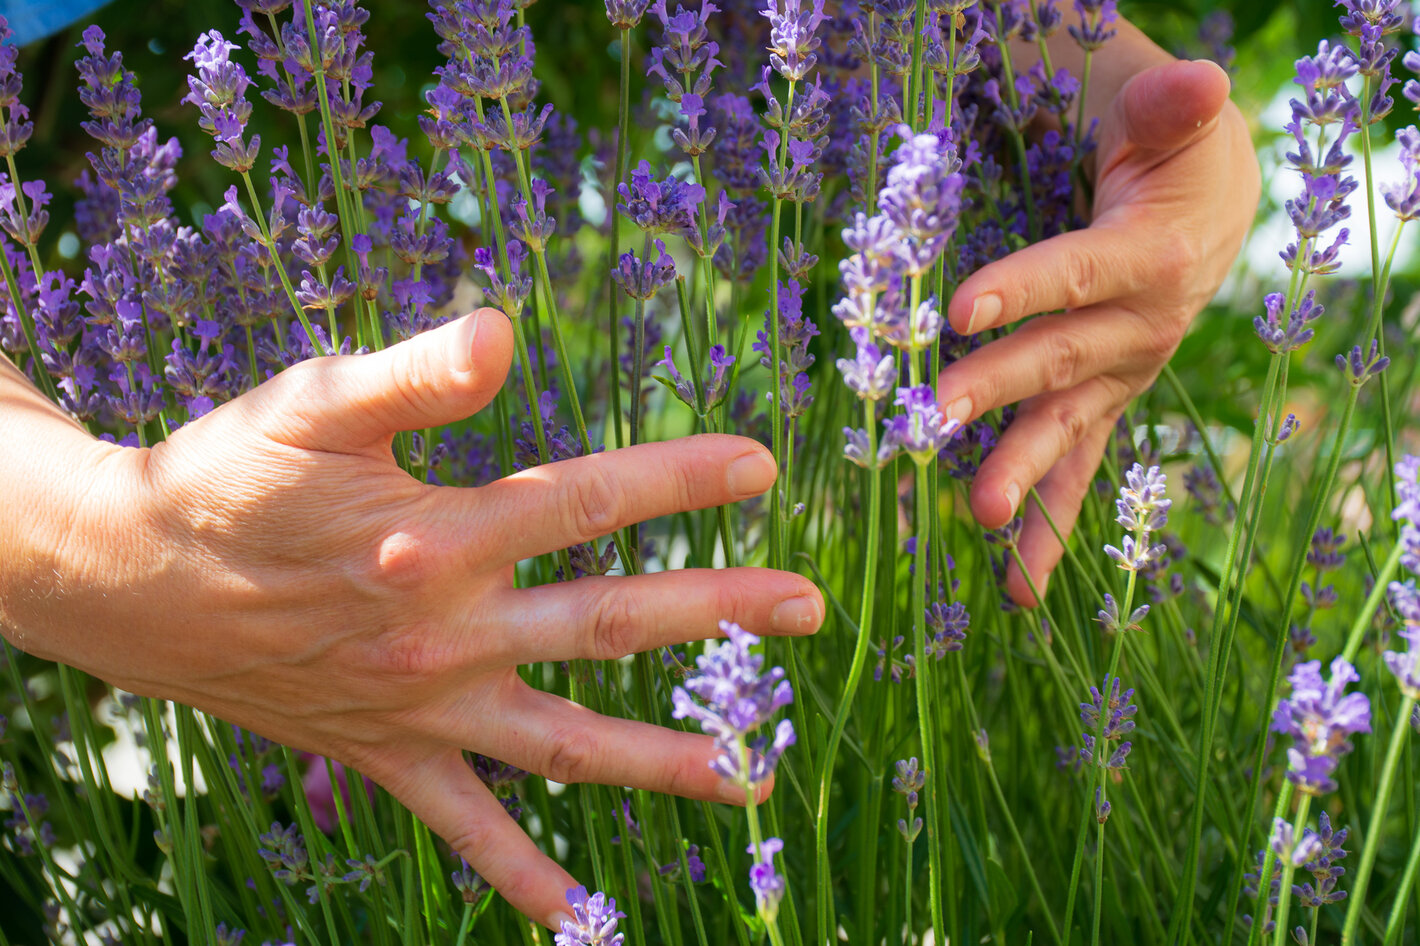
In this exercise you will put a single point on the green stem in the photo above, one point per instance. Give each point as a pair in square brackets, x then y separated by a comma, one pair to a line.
[1357, 895]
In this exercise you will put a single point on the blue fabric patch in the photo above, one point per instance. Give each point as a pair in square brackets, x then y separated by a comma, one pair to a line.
[36, 19]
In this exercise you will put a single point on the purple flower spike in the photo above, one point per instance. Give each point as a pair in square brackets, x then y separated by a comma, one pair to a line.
[735, 699]
[1320, 717]
[1403, 197]
[593, 923]
[921, 431]
[219, 92]
[767, 883]
[15, 131]
[643, 279]
[626, 14]
[792, 43]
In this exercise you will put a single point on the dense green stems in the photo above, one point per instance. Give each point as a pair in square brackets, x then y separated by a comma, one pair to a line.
[915, 77]
[922, 682]
[270, 244]
[1357, 897]
[1212, 684]
[27, 325]
[1279, 648]
[1396, 923]
[614, 323]
[1100, 756]
[827, 921]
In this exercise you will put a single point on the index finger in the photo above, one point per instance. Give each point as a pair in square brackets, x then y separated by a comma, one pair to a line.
[1107, 260]
[562, 504]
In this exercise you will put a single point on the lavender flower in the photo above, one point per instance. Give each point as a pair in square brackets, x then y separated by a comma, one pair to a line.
[792, 39]
[735, 699]
[643, 279]
[922, 199]
[1113, 622]
[1142, 510]
[626, 14]
[871, 374]
[15, 129]
[667, 206]
[921, 431]
[1320, 717]
[1403, 197]
[219, 91]
[767, 883]
[908, 782]
[1359, 367]
[593, 923]
[717, 384]
[1292, 851]
[1323, 866]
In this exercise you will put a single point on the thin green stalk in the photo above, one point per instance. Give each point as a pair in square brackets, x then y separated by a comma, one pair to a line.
[1396, 922]
[922, 689]
[1357, 897]
[827, 921]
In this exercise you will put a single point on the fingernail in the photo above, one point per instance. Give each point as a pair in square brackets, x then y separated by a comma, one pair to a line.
[959, 410]
[469, 357]
[1013, 496]
[751, 474]
[796, 615]
[985, 310]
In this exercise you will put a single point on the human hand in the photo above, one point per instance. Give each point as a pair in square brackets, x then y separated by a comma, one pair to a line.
[272, 565]
[1176, 188]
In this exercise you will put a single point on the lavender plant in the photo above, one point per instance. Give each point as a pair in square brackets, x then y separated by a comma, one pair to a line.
[770, 164]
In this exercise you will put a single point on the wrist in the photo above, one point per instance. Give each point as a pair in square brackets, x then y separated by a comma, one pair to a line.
[62, 538]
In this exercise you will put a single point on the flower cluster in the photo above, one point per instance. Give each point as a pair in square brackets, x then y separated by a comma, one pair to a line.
[1143, 510]
[1110, 709]
[735, 699]
[908, 783]
[593, 923]
[1320, 716]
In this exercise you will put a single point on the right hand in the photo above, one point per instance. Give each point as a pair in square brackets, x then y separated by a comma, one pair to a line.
[270, 564]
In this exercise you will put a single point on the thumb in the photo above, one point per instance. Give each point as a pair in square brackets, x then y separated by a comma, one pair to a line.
[1168, 106]
[438, 377]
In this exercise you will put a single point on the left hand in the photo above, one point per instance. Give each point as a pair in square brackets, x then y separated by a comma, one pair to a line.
[1176, 190]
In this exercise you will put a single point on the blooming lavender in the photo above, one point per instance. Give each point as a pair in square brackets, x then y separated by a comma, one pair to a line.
[1320, 716]
[1143, 510]
[908, 783]
[593, 923]
[219, 91]
[920, 431]
[734, 699]
[764, 880]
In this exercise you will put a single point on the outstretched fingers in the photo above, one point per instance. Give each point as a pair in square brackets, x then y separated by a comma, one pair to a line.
[558, 505]
[606, 618]
[568, 743]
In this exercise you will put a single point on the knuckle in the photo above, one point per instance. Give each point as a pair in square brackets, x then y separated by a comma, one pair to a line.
[405, 562]
[472, 837]
[571, 756]
[592, 502]
[1161, 341]
[408, 381]
[1070, 422]
[615, 618]
[1081, 276]
[410, 655]
[1066, 354]
[681, 774]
